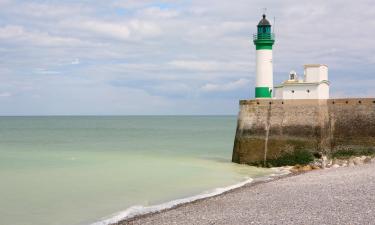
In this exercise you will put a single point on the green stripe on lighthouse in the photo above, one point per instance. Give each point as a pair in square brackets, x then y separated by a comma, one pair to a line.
[263, 92]
[263, 46]
[264, 43]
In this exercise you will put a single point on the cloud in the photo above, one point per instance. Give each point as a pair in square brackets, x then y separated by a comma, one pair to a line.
[131, 4]
[44, 10]
[137, 4]
[158, 13]
[46, 71]
[195, 65]
[176, 53]
[75, 62]
[114, 30]
[5, 94]
[209, 65]
[172, 89]
[235, 85]
[131, 30]
[14, 33]
[144, 28]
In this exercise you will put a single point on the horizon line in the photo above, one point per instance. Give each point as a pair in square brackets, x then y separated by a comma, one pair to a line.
[130, 115]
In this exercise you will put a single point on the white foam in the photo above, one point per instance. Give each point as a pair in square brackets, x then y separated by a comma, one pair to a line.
[142, 210]
[280, 171]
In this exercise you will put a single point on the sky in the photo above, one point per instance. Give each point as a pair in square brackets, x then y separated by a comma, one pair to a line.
[188, 57]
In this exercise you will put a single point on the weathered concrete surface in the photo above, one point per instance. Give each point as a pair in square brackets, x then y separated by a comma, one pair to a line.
[267, 129]
[332, 196]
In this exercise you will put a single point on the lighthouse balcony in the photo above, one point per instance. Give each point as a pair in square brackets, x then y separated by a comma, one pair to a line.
[264, 36]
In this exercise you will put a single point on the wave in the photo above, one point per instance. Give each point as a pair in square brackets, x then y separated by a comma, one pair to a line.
[142, 210]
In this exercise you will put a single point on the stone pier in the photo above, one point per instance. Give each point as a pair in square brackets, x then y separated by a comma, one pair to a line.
[267, 129]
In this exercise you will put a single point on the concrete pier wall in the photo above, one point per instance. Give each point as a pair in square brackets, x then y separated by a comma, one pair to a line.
[267, 129]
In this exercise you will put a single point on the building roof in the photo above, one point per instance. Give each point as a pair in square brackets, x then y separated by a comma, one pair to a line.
[314, 65]
[264, 21]
[302, 83]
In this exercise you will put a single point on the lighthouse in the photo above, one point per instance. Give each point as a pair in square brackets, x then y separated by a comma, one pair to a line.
[264, 40]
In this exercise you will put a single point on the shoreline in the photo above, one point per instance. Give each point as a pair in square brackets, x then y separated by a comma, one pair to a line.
[138, 212]
[217, 209]
[255, 182]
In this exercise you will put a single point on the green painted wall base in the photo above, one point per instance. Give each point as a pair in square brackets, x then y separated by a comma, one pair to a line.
[263, 92]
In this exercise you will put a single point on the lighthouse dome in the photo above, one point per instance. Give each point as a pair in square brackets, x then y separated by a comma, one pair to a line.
[264, 21]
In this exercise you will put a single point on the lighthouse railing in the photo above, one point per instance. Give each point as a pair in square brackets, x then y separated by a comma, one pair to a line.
[264, 36]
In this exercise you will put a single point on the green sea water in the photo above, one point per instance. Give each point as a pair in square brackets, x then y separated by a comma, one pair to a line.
[79, 170]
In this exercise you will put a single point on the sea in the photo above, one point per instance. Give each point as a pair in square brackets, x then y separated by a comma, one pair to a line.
[76, 170]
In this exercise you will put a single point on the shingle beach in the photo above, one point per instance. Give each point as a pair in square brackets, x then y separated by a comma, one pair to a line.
[333, 196]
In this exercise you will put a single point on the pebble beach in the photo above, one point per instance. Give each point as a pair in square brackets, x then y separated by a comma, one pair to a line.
[331, 196]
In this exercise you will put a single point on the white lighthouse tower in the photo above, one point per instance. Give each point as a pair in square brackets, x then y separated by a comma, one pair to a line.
[264, 40]
[313, 85]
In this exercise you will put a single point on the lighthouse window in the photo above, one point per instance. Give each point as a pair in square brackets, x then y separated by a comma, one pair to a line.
[292, 91]
[308, 91]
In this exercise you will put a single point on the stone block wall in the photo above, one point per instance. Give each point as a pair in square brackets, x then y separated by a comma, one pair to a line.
[267, 129]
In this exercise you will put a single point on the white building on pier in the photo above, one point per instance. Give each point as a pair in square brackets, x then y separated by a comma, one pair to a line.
[313, 85]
